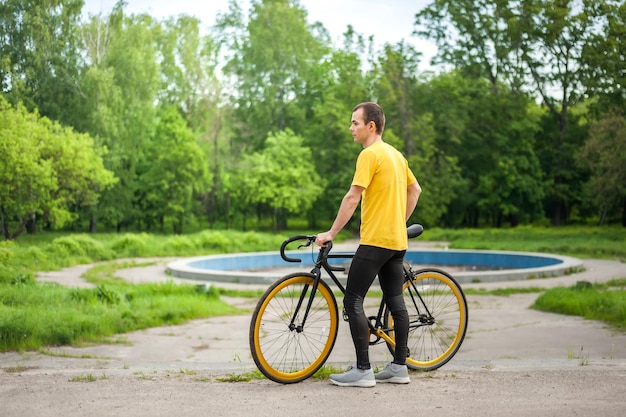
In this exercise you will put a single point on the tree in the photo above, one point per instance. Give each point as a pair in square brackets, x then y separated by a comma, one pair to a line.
[473, 36]
[533, 43]
[174, 172]
[281, 177]
[604, 155]
[46, 171]
[438, 174]
[603, 55]
[121, 85]
[343, 82]
[482, 155]
[395, 89]
[271, 57]
[409, 123]
[188, 64]
[40, 56]
[551, 37]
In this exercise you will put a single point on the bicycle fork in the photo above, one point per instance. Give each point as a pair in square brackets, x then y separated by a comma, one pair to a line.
[299, 328]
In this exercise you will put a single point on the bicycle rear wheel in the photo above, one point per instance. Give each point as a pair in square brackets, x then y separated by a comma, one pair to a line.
[282, 349]
[437, 318]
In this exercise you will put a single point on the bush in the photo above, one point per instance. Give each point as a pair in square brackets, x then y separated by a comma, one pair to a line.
[6, 251]
[181, 244]
[68, 245]
[92, 248]
[215, 241]
[253, 241]
[35, 259]
[130, 244]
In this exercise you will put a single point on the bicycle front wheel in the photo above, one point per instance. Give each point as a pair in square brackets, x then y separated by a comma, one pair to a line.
[437, 318]
[289, 342]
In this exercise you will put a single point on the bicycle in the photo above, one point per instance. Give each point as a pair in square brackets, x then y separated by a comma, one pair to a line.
[295, 322]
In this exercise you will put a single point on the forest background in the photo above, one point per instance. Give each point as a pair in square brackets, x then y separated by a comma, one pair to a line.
[123, 122]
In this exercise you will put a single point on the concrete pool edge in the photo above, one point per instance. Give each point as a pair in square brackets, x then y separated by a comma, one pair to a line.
[564, 265]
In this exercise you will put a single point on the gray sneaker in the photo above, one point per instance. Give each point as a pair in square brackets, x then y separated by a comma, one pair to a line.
[394, 373]
[354, 377]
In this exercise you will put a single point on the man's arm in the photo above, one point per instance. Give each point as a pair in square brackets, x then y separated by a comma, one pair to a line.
[413, 192]
[348, 205]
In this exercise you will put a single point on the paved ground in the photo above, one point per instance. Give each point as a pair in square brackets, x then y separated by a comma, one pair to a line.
[514, 362]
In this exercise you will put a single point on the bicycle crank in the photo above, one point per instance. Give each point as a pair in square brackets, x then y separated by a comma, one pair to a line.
[373, 325]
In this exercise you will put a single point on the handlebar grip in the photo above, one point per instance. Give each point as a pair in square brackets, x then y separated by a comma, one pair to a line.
[326, 249]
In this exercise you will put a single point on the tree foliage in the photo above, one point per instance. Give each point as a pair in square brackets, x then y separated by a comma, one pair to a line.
[536, 46]
[40, 57]
[271, 63]
[604, 154]
[46, 171]
[174, 173]
[249, 121]
[603, 55]
[281, 177]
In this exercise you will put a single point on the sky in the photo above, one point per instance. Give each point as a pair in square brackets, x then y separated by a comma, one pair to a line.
[388, 21]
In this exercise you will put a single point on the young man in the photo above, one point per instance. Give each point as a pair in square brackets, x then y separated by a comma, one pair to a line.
[389, 192]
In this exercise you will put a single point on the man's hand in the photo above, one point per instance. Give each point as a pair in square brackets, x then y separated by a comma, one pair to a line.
[324, 238]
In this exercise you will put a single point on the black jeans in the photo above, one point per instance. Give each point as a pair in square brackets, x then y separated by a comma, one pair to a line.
[368, 262]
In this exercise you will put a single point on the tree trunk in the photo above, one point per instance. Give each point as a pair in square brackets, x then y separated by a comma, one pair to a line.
[227, 211]
[93, 223]
[31, 225]
[5, 224]
[603, 216]
[18, 231]
[178, 225]
[557, 216]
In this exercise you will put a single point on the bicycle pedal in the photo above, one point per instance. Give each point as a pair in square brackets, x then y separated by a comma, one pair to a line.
[345, 315]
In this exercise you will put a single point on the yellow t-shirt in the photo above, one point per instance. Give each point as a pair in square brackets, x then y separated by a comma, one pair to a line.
[385, 175]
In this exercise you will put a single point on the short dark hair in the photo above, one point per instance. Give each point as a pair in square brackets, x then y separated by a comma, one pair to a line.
[372, 112]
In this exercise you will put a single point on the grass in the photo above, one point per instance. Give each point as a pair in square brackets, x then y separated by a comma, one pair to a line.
[604, 302]
[578, 241]
[243, 377]
[87, 378]
[35, 315]
[503, 292]
[322, 374]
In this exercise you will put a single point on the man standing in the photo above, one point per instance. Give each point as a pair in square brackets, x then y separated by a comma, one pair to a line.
[389, 192]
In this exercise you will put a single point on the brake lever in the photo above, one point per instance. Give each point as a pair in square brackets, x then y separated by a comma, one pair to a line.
[307, 244]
